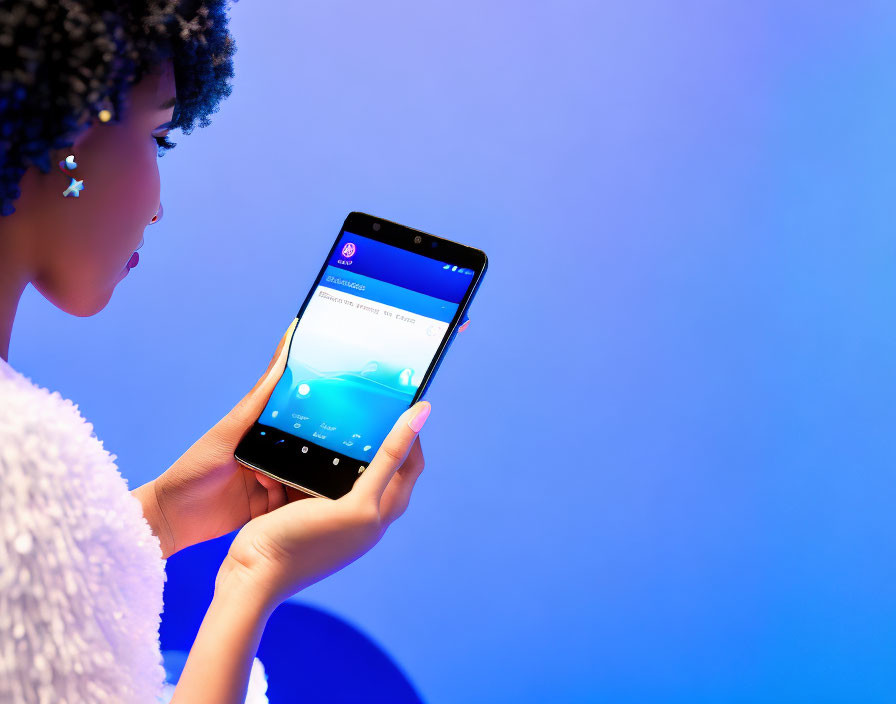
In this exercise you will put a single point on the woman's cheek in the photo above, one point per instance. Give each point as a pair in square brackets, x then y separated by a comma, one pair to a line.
[146, 185]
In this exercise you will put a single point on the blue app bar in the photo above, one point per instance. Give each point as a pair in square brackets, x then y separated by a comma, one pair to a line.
[390, 294]
[397, 266]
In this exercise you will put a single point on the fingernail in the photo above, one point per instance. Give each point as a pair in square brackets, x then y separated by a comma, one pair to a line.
[419, 419]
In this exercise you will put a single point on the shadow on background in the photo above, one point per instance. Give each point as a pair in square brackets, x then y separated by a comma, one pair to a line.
[308, 655]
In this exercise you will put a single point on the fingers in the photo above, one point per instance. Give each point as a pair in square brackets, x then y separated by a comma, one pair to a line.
[276, 358]
[238, 420]
[464, 326]
[392, 453]
[397, 495]
[293, 494]
[266, 481]
[288, 493]
[267, 496]
[276, 497]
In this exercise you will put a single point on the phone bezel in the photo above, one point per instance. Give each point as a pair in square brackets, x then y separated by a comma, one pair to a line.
[317, 475]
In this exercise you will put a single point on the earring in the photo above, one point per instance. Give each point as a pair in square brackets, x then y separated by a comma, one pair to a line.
[105, 114]
[76, 186]
[157, 216]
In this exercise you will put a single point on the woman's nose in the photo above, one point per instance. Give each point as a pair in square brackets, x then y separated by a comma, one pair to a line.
[157, 216]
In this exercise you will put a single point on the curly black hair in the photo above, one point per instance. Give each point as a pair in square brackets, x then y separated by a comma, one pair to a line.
[64, 61]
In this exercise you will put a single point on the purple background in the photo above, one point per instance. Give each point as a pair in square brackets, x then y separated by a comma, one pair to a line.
[660, 461]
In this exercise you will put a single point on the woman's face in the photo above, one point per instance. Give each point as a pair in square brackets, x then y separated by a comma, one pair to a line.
[81, 245]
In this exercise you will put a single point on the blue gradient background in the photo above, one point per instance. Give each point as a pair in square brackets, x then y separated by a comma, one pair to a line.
[660, 461]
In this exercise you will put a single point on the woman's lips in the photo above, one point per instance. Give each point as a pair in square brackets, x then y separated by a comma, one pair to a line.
[132, 262]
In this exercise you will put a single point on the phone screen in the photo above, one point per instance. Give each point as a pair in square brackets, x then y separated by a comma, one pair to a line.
[364, 342]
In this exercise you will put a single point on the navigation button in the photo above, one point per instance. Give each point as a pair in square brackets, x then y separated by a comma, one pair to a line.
[304, 449]
[361, 468]
[335, 460]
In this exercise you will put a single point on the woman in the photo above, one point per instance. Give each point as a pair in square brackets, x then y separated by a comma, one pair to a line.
[89, 91]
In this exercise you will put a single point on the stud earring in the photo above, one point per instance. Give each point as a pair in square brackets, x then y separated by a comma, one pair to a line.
[105, 113]
[76, 186]
[157, 216]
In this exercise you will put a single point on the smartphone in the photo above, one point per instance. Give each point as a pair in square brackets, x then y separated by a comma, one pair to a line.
[372, 332]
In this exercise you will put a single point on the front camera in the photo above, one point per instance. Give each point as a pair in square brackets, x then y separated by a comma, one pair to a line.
[418, 239]
[376, 227]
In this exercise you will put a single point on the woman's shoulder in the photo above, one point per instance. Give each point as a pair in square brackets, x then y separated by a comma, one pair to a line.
[46, 431]
[29, 408]
[82, 574]
[51, 452]
[52, 464]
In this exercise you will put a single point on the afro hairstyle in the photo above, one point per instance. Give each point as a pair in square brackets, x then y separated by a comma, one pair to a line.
[64, 61]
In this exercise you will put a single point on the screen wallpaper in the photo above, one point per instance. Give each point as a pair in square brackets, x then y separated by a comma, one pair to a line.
[363, 344]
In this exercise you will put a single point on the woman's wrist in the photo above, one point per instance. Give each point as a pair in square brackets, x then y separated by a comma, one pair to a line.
[235, 584]
[218, 667]
[152, 512]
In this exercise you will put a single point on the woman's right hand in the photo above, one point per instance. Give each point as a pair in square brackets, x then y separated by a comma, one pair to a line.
[289, 548]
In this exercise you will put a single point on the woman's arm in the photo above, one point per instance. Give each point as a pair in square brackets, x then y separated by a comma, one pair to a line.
[152, 512]
[281, 552]
[217, 669]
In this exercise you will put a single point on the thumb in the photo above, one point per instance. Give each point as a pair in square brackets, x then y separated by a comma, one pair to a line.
[392, 453]
[274, 364]
[251, 405]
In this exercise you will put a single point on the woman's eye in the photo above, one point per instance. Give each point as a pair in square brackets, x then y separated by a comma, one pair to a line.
[163, 142]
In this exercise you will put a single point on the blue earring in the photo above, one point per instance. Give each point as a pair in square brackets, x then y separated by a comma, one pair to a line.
[76, 186]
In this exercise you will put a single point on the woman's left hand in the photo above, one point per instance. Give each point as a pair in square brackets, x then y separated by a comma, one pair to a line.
[206, 493]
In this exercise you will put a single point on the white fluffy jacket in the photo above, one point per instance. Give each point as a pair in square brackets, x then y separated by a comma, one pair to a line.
[81, 573]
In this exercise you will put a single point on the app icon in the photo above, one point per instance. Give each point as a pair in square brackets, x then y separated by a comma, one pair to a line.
[349, 249]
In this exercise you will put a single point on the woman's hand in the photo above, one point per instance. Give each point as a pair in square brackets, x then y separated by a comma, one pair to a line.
[279, 553]
[206, 493]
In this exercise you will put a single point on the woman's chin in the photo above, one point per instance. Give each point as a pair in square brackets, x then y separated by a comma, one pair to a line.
[75, 300]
